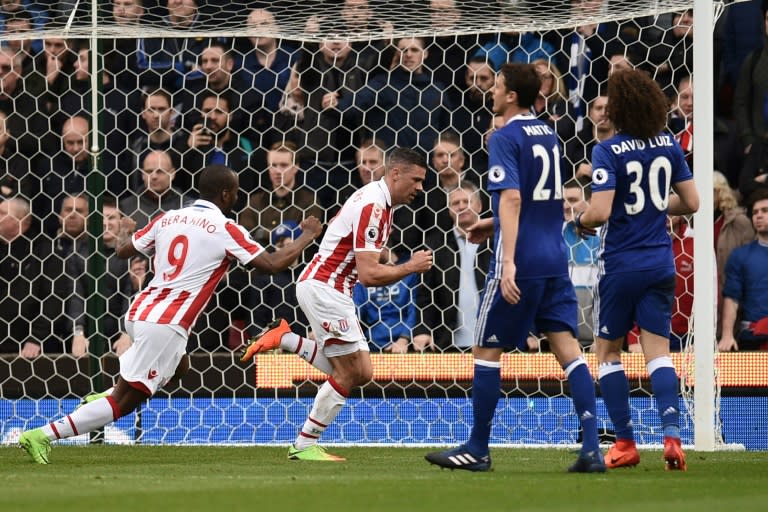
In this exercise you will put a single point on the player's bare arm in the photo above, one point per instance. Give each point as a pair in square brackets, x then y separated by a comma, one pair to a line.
[509, 217]
[371, 272]
[685, 200]
[125, 248]
[282, 258]
[596, 214]
[480, 231]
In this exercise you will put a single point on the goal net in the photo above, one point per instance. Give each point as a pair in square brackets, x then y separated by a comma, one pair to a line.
[114, 111]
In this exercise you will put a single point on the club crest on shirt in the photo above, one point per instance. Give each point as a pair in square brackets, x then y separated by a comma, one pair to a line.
[496, 173]
[377, 212]
[371, 234]
[599, 176]
[336, 327]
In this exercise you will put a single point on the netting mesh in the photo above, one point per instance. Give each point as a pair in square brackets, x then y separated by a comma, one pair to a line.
[302, 99]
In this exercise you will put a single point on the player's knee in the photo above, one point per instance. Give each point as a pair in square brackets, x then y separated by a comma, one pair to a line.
[182, 368]
[364, 375]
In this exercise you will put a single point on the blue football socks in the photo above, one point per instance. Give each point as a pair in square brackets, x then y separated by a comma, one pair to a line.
[486, 389]
[583, 395]
[615, 390]
[664, 384]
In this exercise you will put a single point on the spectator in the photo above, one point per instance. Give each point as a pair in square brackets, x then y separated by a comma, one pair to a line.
[745, 294]
[116, 119]
[116, 284]
[20, 22]
[121, 56]
[522, 47]
[330, 146]
[751, 96]
[388, 312]
[551, 104]
[55, 68]
[582, 255]
[673, 55]
[448, 161]
[370, 157]
[266, 69]
[158, 194]
[448, 53]
[60, 326]
[17, 271]
[681, 118]
[21, 101]
[214, 73]
[163, 62]
[159, 132]
[597, 128]
[473, 112]
[406, 108]
[732, 227]
[68, 170]
[213, 141]
[754, 174]
[16, 176]
[286, 199]
[274, 296]
[449, 294]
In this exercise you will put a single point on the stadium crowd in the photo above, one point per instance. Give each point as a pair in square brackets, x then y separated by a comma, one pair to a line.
[306, 124]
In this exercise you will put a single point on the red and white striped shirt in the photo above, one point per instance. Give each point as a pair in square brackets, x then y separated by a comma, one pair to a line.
[362, 224]
[192, 250]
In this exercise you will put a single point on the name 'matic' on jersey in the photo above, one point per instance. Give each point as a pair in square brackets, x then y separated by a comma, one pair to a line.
[641, 173]
[525, 155]
[192, 250]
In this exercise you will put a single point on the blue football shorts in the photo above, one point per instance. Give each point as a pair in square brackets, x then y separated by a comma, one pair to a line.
[546, 305]
[644, 296]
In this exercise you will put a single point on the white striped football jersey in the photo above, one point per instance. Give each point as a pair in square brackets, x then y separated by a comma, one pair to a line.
[362, 224]
[192, 249]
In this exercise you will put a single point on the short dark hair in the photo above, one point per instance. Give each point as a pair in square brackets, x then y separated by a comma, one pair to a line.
[109, 201]
[524, 80]
[450, 137]
[406, 157]
[157, 91]
[224, 95]
[760, 194]
[214, 179]
[582, 183]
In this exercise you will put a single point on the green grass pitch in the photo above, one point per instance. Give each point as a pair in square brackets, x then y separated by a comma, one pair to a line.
[158, 478]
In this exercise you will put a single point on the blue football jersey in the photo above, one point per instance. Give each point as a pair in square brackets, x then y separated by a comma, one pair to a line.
[525, 155]
[641, 173]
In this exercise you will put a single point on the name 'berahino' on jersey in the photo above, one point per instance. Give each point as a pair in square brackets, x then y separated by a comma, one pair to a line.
[641, 173]
[525, 155]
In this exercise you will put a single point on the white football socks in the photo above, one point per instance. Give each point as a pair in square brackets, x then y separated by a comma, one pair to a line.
[306, 349]
[89, 417]
[328, 402]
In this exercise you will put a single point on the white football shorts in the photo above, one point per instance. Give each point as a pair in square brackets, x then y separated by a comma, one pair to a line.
[332, 317]
[152, 359]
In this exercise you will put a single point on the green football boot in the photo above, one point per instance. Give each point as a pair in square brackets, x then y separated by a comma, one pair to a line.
[36, 444]
[314, 452]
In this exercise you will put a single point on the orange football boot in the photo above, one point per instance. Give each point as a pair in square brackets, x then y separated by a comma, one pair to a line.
[268, 339]
[674, 458]
[623, 454]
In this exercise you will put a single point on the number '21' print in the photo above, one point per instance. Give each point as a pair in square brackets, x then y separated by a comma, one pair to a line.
[540, 192]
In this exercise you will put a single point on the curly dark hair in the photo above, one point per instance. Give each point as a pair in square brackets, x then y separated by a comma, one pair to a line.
[636, 104]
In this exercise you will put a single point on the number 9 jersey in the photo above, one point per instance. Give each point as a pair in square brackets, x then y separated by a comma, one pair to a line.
[192, 250]
[640, 172]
